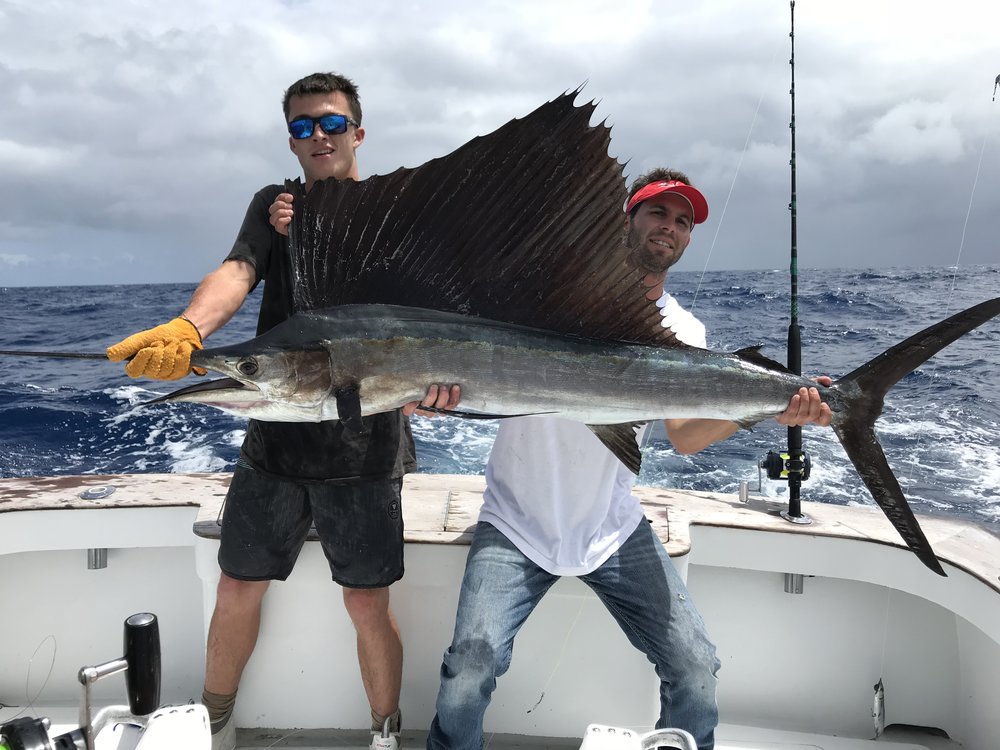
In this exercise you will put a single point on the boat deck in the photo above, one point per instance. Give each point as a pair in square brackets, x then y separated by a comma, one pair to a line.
[442, 509]
[869, 609]
[728, 737]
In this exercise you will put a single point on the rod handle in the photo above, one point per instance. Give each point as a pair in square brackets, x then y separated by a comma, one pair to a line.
[142, 653]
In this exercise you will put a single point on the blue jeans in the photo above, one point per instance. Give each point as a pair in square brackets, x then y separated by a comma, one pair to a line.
[640, 588]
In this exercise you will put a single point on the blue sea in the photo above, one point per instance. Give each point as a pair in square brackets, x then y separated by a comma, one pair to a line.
[940, 427]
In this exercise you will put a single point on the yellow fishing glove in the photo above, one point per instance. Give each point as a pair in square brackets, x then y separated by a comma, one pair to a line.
[161, 353]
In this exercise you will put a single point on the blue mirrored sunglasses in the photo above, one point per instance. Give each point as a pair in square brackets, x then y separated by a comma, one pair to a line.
[302, 127]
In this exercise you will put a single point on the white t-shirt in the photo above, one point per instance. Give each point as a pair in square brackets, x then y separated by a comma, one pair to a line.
[557, 493]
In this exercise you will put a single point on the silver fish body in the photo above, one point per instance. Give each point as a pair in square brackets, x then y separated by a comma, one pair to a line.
[390, 354]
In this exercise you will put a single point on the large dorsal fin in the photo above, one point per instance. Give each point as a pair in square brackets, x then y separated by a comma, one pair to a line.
[523, 225]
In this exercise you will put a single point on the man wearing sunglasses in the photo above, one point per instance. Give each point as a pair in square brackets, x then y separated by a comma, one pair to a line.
[291, 475]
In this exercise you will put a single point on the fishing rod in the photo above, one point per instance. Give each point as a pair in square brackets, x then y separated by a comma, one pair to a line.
[792, 465]
[56, 355]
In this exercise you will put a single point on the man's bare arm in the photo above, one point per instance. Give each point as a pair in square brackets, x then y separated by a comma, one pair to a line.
[219, 295]
[693, 435]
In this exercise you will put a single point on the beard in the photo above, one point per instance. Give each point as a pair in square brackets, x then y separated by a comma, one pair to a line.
[646, 259]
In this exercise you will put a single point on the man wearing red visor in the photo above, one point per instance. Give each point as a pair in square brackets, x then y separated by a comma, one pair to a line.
[558, 503]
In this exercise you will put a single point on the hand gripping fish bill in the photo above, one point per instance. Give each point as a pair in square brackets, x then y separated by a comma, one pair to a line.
[501, 267]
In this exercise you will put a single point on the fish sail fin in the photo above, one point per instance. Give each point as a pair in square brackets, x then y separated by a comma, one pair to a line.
[864, 392]
[523, 225]
[620, 440]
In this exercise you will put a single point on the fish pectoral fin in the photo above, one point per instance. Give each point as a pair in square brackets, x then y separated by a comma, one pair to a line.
[620, 439]
[349, 408]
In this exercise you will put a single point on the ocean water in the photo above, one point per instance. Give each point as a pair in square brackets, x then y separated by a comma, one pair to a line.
[940, 427]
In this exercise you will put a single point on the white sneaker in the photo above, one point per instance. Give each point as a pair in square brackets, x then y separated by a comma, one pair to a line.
[386, 740]
[225, 738]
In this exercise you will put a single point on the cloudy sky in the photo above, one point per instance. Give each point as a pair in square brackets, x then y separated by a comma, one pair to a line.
[132, 134]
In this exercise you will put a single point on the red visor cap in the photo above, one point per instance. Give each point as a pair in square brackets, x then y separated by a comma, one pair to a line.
[699, 206]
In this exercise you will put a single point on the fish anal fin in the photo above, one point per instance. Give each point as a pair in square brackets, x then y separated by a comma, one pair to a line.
[620, 440]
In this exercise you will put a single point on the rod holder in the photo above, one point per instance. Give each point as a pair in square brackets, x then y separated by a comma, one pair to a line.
[802, 519]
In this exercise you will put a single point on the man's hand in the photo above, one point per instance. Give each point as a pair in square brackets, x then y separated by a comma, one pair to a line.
[806, 407]
[438, 397]
[161, 353]
[281, 213]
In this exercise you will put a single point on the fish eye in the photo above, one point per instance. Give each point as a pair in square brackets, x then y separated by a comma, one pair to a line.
[247, 366]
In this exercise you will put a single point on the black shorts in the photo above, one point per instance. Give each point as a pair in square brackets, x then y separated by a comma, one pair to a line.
[266, 520]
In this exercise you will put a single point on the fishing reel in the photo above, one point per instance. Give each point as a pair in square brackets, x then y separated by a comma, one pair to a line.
[792, 468]
[143, 726]
[781, 465]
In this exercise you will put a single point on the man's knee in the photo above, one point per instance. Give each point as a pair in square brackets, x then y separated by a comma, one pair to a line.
[695, 673]
[367, 608]
[233, 592]
[476, 657]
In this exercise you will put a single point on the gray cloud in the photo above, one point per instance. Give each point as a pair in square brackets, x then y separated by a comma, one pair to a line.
[133, 135]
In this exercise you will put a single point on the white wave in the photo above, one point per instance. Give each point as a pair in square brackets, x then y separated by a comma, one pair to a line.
[989, 513]
[130, 394]
[970, 472]
[39, 388]
[190, 457]
[234, 438]
[918, 428]
[466, 443]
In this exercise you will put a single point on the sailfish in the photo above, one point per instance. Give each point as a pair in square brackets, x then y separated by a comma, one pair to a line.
[502, 267]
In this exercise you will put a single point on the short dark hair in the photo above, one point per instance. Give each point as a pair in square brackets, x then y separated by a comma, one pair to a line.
[660, 174]
[325, 83]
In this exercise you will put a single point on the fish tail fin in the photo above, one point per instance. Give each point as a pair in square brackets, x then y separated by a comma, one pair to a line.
[866, 454]
[864, 391]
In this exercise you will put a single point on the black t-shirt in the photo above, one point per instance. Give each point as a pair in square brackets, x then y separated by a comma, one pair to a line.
[312, 451]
